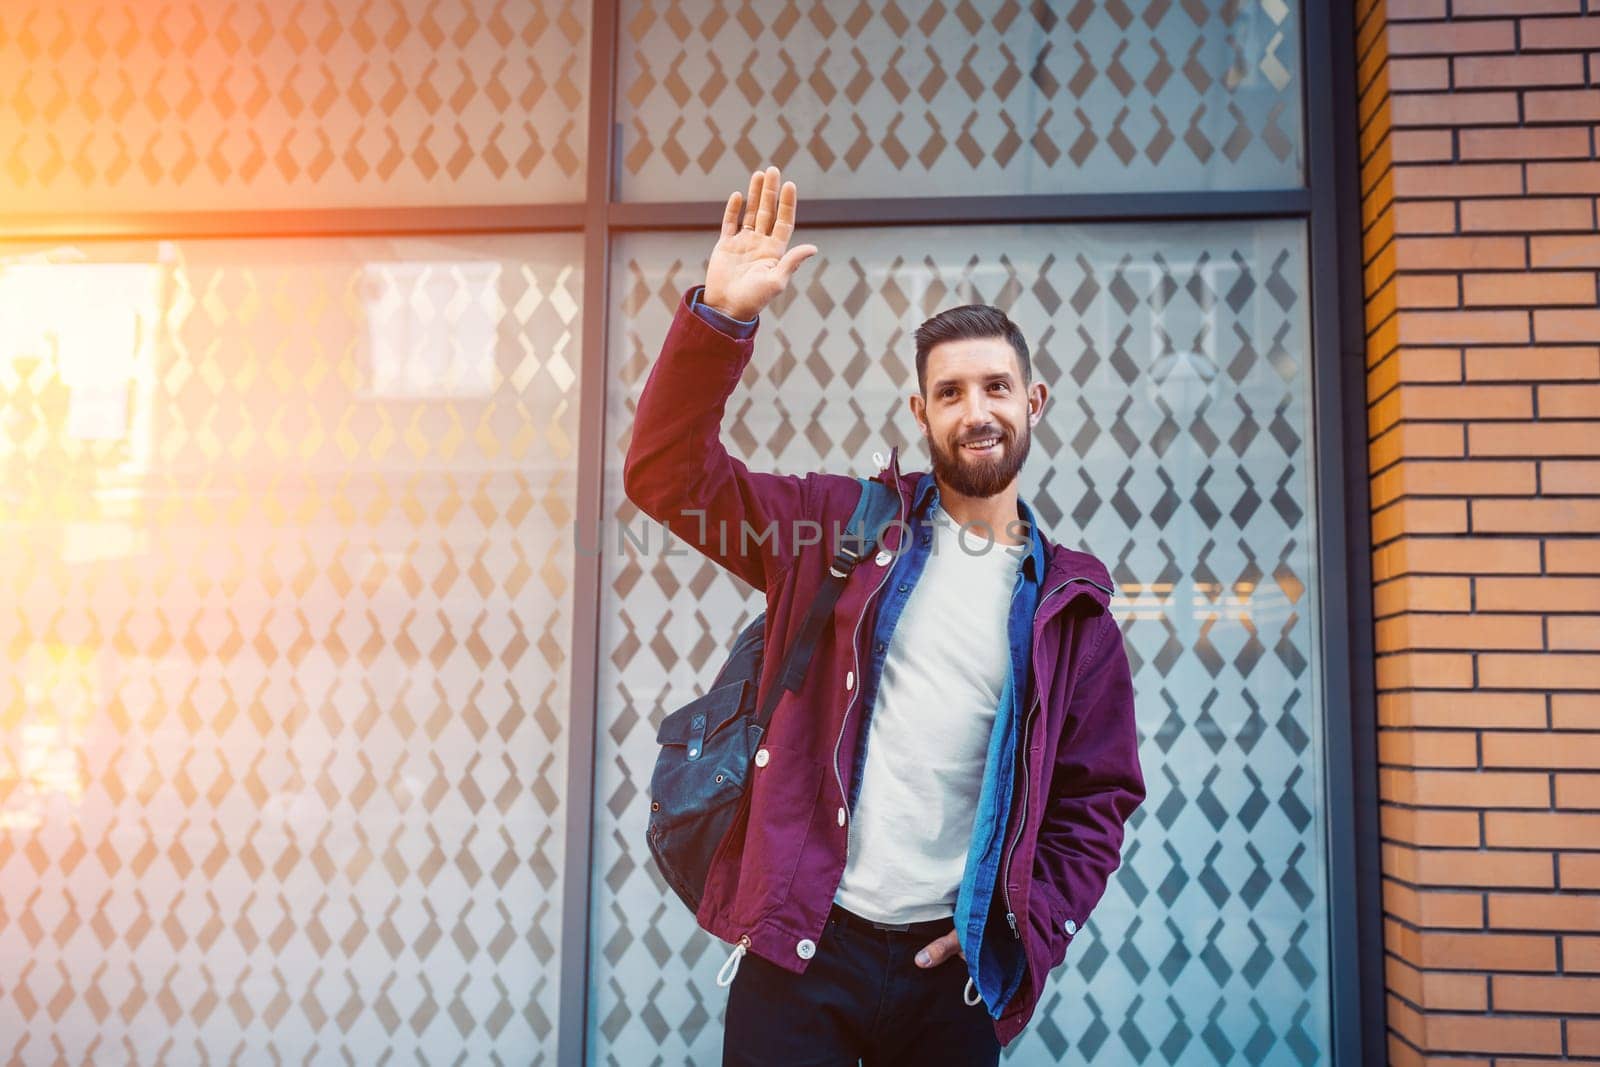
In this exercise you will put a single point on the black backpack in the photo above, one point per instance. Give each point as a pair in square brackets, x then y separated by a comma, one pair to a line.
[707, 745]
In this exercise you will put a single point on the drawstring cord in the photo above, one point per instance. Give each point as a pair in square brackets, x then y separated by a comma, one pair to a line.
[730, 966]
[970, 995]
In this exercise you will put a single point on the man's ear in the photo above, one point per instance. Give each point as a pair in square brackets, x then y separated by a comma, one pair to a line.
[919, 411]
[1038, 395]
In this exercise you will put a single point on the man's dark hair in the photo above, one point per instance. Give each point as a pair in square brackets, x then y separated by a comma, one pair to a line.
[962, 323]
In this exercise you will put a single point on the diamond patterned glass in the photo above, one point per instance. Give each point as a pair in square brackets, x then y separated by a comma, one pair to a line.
[860, 98]
[243, 106]
[284, 639]
[1176, 446]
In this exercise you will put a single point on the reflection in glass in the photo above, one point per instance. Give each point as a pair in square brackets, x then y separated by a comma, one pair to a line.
[283, 658]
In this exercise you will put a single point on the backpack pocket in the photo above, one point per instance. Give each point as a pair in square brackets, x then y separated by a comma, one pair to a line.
[699, 782]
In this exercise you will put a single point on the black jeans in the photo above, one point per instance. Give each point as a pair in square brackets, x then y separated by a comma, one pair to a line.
[863, 1000]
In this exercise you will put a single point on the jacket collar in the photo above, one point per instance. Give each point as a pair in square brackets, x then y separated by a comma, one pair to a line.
[1052, 562]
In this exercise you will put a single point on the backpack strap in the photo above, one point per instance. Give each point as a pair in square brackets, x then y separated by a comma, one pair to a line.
[877, 507]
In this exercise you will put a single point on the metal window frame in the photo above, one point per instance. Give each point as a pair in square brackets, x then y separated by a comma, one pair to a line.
[1329, 204]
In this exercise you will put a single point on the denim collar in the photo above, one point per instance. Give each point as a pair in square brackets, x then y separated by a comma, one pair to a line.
[927, 494]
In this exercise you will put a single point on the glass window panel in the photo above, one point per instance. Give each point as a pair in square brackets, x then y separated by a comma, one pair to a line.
[245, 106]
[947, 99]
[1176, 446]
[284, 659]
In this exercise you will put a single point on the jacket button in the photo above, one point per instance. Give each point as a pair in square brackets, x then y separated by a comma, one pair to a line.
[806, 948]
[1070, 927]
[883, 558]
[841, 816]
[762, 757]
[849, 680]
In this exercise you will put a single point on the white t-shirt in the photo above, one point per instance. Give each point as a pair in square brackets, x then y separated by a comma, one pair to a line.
[943, 675]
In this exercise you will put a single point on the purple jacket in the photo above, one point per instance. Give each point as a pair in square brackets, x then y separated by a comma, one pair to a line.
[773, 878]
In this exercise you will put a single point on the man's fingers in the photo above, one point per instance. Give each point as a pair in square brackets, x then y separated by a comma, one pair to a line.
[936, 952]
[792, 259]
[753, 199]
[784, 227]
[769, 202]
[730, 215]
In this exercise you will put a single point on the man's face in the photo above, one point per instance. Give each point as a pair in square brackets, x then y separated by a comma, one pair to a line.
[977, 414]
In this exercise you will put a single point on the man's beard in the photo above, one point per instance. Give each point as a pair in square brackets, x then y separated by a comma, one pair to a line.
[981, 476]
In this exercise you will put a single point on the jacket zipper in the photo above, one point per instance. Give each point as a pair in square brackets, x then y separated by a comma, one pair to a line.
[855, 659]
[1022, 752]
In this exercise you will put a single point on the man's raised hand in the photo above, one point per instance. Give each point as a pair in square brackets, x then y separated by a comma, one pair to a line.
[752, 262]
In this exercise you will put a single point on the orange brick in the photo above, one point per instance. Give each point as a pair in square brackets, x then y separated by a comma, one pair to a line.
[1537, 594]
[1457, 555]
[1450, 38]
[1430, 826]
[1470, 867]
[1573, 557]
[1580, 954]
[1464, 327]
[1533, 364]
[1402, 10]
[1527, 289]
[1561, 105]
[1465, 789]
[1529, 216]
[1417, 515]
[1417, 440]
[1544, 911]
[1516, 992]
[1433, 907]
[1421, 477]
[1560, 35]
[1476, 8]
[1523, 670]
[1425, 216]
[1486, 952]
[1579, 870]
[1575, 711]
[1566, 324]
[1490, 72]
[1417, 593]
[1542, 750]
[1436, 990]
[1428, 291]
[1493, 1033]
[1570, 402]
[1428, 748]
[1543, 439]
[1416, 145]
[1574, 633]
[1465, 632]
[1449, 401]
[1580, 792]
[1557, 250]
[1579, 476]
[1481, 710]
[1558, 178]
[1454, 109]
[1404, 365]
[1583, 1037]
[1462, 253]
[1418, 75]
[1426, 670]
[1541, 829]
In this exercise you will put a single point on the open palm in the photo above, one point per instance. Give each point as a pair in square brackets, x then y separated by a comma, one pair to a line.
[752, 261]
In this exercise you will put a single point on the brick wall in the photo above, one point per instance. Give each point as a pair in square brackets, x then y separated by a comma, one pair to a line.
[1479, 185]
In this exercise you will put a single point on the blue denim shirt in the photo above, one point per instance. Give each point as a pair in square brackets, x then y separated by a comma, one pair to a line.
[994, 954]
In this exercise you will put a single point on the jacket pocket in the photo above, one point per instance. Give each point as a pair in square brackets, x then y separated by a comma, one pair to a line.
[784, 791]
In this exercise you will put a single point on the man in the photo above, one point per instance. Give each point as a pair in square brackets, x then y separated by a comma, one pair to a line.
[953, 777]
